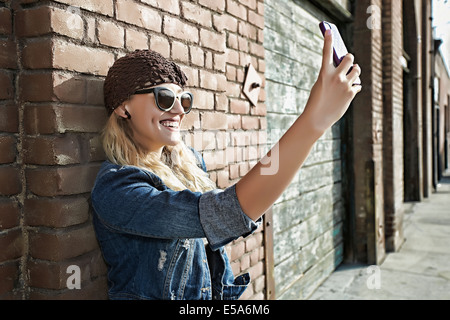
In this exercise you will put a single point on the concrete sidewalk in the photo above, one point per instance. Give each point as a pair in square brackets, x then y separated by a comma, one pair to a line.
[420, 270]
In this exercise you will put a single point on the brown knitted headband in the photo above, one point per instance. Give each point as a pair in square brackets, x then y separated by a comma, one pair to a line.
[137, 70]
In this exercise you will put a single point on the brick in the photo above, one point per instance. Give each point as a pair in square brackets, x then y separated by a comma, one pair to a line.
[236, 9]
[8, 149]
[232, 57]
[225, 22]
[96, 152]
[239, 106]
[197, 56]
[174, 27]
[9, 273]
[48, 119]
[80, 119]
[5, 21]
[233, 171]
[62, 244]
[171, 6]
[257, 49]
[10, 214]
[135, 40]
[53, 275]
[69, 56]
[104, 7]
[52, 150]
[196, 14]
[11, 243]
[110, 34]
[216, 5]
[94, 91]
[250, 123]
[49, 275]
[191, 120]
[256, 19]
[9, 118]
[8, 55]
[138, 15]
[40, 119]
[57, 181]
[247, 30]
[33, 22]
[203, 99]
[67, 22]
[212, 40]
[180, 52]
[90, 29]
[213, 81]
[214, 121]
[36, 87]
[223, 179]
[256, 270]
[6, 83]
[221, 100]
[219, 62]
[160, 45]
[37, 54]
[249, 3]
[91, 290]
[69, 88]
[11, 183]
[215, 159]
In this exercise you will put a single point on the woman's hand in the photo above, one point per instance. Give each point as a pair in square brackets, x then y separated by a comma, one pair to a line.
[333, 91]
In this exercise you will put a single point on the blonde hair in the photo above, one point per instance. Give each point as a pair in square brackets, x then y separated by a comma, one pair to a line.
[177, 166]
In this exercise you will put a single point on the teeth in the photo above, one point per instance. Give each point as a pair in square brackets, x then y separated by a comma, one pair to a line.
[170, 124]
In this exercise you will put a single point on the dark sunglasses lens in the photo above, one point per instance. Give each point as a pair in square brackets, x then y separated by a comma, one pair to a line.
[186, 101]
[165, 99]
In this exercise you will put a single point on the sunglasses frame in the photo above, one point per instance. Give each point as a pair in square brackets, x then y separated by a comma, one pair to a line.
[155, 91]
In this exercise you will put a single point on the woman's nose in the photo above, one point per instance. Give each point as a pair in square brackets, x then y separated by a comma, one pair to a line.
[177, 108]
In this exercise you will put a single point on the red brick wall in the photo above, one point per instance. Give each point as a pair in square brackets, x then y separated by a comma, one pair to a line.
[393, 122]
[367, 113]
[55, 55]
[11, 173]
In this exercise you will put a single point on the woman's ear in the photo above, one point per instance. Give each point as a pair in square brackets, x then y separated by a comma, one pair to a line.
[122, 111]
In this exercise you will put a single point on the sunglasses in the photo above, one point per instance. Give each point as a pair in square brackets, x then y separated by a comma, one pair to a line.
[165, 98]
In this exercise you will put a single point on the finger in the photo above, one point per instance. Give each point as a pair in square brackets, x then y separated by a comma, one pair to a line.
[356, 89]
[354, 74]
[346, 63]
[327, 58]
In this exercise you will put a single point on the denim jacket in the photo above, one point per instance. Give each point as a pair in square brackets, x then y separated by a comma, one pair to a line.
[151, 237]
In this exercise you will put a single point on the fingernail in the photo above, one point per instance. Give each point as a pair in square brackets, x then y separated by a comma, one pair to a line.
[328, 32]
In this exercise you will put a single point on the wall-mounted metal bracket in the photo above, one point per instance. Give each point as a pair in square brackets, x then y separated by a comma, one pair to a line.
[252, 84]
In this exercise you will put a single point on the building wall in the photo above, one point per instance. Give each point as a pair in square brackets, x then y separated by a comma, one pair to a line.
[308, 217]
[53, 60]
[443, 130]
[393, 122]
[367, 210]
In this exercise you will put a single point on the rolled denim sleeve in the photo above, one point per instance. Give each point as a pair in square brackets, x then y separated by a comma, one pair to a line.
[127, 200]
[222, 217]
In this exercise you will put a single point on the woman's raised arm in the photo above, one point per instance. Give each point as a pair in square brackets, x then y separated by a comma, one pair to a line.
[330, 98]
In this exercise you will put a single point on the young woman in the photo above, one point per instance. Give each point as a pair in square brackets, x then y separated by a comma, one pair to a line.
[153, 202]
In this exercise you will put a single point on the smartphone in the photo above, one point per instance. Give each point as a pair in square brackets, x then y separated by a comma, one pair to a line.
[339, 48]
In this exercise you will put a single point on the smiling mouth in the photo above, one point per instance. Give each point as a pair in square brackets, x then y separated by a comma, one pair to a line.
[170, 124]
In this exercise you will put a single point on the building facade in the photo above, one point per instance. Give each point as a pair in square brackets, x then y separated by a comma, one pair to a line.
[345, 205]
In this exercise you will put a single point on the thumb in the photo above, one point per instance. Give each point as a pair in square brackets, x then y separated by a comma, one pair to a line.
[327, 58]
